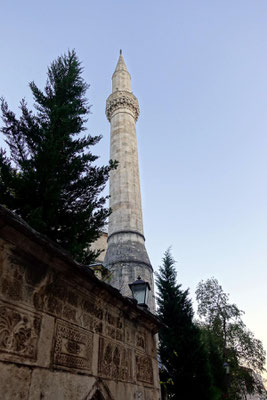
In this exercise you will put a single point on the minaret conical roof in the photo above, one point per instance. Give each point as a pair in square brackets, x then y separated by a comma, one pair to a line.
[121, 79]
[121, 66]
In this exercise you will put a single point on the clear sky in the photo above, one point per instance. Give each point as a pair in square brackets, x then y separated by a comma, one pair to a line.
[199, 71]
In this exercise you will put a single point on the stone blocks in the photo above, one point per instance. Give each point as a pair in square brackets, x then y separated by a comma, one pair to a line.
[63, 333]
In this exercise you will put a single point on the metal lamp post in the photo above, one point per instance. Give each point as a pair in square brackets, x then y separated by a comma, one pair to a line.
[226, 366]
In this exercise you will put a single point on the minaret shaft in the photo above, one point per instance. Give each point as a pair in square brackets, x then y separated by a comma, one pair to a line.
[125, 196]
[126, 254]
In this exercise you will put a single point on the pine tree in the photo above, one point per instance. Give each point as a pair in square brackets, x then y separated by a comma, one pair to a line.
[185, 369]
[50, 178]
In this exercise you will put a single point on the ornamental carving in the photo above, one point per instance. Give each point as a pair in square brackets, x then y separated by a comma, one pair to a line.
[114, 327]
[73, 347]
[19, 332]
[140, 340]
[59, 298]
[122, 100]
[144, 369]
[114, 360]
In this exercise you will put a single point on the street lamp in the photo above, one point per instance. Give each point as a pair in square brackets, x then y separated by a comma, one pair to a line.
[227, 368]
[140, 290]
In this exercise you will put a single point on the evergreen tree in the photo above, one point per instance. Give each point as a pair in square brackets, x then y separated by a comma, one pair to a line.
[50, 178]
[185, 369]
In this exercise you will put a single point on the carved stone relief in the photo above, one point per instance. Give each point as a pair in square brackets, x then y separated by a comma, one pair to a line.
[73, 347]
[140, 340]
[114, 326]
[144, 368]
[21, 273]
[56, 298]
[92, 315]
[122, 99]
[60, 299]
[114, 360]
[48, 321]
[129, 335]
[19, 332]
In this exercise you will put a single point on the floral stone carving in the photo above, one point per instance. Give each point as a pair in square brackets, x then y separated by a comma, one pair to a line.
[19, 332]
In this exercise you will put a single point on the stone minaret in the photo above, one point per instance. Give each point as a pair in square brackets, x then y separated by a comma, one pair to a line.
[126, 254]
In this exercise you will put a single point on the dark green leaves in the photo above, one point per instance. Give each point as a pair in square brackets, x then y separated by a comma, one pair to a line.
[51, 179]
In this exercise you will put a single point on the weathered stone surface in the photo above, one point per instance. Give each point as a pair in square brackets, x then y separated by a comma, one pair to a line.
[45, 341]
[125, 195]
[54, 385]
[19, 333]
[14, 381]
[72, 347]
[123, 247]
[124, 273]
[144, 368]
[115, 361]
[64, 334]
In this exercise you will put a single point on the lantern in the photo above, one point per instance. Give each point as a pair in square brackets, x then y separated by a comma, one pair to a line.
[140, 290]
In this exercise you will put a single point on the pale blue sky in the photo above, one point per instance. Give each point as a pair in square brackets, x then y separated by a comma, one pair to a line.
[199, 71]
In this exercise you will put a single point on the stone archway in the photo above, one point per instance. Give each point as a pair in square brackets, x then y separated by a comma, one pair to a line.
[98, 396]
[99, 391]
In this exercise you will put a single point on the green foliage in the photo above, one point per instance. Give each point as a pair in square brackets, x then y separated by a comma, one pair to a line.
[215, 361]
[236, 345]
[50, 179]
[185, 369]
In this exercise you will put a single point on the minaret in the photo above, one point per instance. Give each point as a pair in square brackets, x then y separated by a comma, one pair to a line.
[126, 255]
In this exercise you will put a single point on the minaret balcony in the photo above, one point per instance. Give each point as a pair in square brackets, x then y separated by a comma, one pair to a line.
[122, 100]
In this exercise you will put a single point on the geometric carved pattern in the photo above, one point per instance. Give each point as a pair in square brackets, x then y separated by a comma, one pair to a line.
[122, 99]
[144, 369]
[114, 360]
[19, 332]
[73, 347]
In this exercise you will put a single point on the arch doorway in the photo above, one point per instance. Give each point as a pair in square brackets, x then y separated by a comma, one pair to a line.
[99, 391]
[97, 396]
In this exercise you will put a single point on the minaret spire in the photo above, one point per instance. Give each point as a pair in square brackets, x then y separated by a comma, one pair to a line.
[126, 254]
[121, 79]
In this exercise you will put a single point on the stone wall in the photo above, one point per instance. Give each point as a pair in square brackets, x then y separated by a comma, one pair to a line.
[63, 333]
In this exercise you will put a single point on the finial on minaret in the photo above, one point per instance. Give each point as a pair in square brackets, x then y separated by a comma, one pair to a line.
[120, 51]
